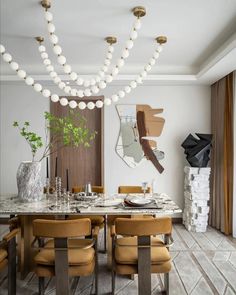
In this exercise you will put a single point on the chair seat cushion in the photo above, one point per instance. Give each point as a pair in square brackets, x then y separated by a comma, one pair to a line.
[126, 251]
[3, 254]
[76, 256]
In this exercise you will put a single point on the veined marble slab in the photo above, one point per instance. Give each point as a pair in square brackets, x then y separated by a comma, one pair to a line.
[10, 204]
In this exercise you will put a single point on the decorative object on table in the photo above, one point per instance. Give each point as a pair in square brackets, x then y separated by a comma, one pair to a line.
[139, 129]
[197, 150]
[71, 130]
[96, 83]
[58, 186]
[196, 195]
[144, 187]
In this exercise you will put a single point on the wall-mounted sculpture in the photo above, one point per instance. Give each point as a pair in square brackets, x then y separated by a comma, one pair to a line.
[197, 150]
[139, 128]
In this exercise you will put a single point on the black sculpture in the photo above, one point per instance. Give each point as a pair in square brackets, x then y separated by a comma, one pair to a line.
[197, 150]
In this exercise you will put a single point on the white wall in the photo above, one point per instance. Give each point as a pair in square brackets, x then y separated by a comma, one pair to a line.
[186, 109]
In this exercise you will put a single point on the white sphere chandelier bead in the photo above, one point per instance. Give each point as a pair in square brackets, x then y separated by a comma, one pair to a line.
[54, 98]
[115, 97]
[139, 80]
[129, 44]
[92, 82]
[38, 87]
[48, 16]
[133, 35]
[46, 93]
[80, 81]
[148, 68]
[67, 89]
[21, 74]
[82, 105]
[98, 79]
[109, 78]
[143, 74]
[110, 48]
[62, 85]
[64, 101]
[61, 60]
[137, 24]
[109, 55]
[29, 81]
[102, 84]
[86, 83]
[80, 93]
[152, 61]
[53, 74]
[94, 89]
[57, 49]
[120, 63]
[101, 74]
[7, 57]
[133, 84]
[51, 28]
[159, 48]
[47, 62]
[87, 92]
[67, 69]
[14, 66]
[107, 62]
[99, 104]
[90, 105]
[73, 76]
[73, 104]
[50, 68]
[73, 92]
[121, 93]
[54, 39]
[2, 48]
[104, 68]
[115, 71]
[42, 48]
[156, 55]
[44, 55]
[125, 53]
[107, 101]
[57, 80]
[127, 89]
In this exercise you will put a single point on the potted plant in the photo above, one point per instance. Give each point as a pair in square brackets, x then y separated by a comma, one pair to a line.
[70, 130]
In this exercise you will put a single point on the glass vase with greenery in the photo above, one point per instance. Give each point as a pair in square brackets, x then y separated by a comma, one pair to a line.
[70, 130]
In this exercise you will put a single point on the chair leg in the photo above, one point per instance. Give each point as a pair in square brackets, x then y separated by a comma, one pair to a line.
[113, 281]
[41, 285]
[105, 234]
[12, 267]
[166, 283]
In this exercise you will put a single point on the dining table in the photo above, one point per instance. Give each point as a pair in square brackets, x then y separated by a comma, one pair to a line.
[51, 206]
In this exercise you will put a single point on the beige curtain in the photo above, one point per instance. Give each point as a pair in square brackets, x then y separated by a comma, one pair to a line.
[221, 202]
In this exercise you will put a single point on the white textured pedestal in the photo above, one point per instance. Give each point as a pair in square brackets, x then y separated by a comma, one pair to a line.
[196, 195]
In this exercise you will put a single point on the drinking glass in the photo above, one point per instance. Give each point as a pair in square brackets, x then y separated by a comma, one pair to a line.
[144, 187]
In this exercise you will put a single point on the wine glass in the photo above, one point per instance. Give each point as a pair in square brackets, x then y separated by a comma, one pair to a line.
[144, 187]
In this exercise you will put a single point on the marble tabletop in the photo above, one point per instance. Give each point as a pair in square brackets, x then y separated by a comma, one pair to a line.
[10, 204]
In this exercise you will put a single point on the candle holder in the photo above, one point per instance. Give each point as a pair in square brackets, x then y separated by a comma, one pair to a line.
[58, 187]
[47, 186]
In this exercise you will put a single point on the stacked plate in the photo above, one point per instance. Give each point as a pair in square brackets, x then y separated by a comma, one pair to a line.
[137, 201]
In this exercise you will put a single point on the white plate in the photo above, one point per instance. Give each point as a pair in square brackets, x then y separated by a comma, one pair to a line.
[140, 201]
[110, 203]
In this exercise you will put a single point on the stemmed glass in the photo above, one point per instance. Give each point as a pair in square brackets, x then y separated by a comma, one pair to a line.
[144, 187]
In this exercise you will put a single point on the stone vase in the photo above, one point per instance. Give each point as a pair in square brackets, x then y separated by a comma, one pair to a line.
[29, 182]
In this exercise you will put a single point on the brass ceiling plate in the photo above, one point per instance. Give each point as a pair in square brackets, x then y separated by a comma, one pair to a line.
[111, 39]
[46, 4]
[139, 11]
[161, 39]
[39, 39]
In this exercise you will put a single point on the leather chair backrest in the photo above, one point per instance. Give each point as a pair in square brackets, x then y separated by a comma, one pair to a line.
[132, 190]
[61, 228]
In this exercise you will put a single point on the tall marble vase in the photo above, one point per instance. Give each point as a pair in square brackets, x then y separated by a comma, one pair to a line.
[29, 182]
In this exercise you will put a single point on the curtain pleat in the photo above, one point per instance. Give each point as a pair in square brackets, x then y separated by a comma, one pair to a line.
[221, 201]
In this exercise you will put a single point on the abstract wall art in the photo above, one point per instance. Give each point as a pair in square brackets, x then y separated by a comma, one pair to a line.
[140, 127]
[197, 150]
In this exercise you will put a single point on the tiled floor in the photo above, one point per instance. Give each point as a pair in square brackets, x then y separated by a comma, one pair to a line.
[203, 263]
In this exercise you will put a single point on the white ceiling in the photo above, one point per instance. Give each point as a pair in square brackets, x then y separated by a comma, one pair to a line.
[198, 32]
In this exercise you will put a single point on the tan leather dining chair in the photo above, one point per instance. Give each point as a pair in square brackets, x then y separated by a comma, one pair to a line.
[8, 258]
[96, 220]
[132, 190]
[126, 249]
[65, 253]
